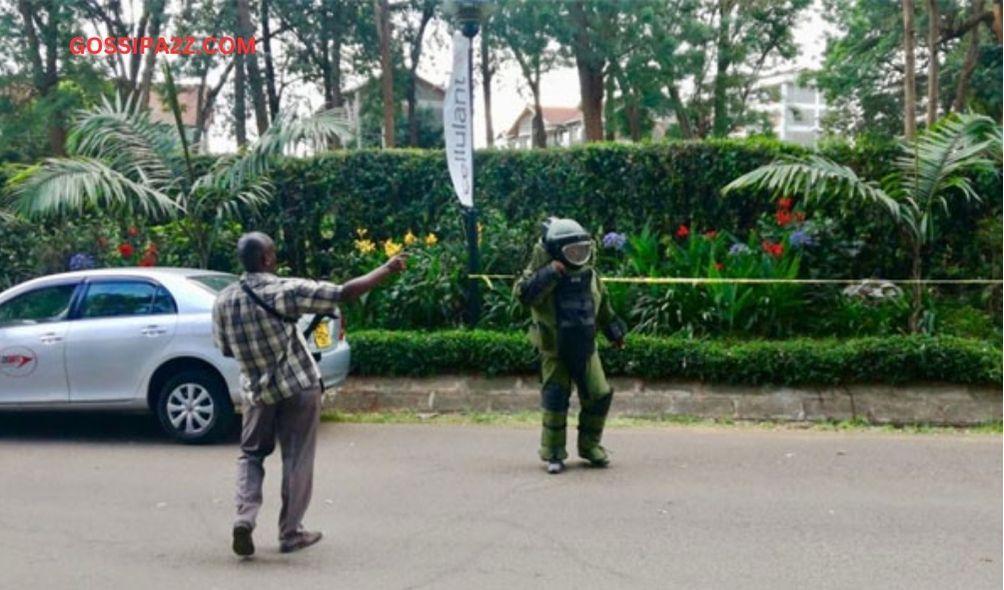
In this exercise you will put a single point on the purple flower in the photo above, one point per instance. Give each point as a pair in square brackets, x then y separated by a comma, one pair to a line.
[738, 249]
[800, 239]
[614, 240]
[81, 261]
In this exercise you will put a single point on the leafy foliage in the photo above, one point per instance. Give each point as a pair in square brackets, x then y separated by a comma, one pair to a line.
[928, 172]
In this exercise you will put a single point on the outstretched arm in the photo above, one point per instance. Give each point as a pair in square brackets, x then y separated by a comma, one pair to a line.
[323, 297]
[354, 288]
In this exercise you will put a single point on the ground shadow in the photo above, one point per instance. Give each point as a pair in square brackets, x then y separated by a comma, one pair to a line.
[85, 426]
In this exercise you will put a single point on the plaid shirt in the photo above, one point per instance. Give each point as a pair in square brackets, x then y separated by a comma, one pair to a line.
[273, 356]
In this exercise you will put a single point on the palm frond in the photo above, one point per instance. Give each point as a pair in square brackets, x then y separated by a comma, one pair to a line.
[983, 128]
[123, 136]
[941, 158]
[213, 197]
[812, 177]
[287, 131]
[68, 185]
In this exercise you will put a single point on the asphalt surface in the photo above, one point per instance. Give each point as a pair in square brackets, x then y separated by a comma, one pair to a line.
[101, 502]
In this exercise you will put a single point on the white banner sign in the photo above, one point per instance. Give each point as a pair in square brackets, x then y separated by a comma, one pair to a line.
[457, 124]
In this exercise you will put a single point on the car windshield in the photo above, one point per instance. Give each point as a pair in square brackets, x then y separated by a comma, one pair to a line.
[215, 282]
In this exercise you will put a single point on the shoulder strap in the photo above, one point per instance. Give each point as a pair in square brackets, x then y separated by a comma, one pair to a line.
[316, 321]
[268, 308]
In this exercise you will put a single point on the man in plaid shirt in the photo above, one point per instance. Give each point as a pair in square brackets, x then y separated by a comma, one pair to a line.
[254, 322]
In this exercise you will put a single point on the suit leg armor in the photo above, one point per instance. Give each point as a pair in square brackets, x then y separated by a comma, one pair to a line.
[595, 400]
[554, 400]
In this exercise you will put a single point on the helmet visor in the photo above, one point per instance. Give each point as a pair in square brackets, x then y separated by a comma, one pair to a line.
[578, 253]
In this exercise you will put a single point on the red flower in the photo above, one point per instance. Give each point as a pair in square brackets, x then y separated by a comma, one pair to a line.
[710, 234]
[783, 217]
[149, 259]
[133, 231]
[800, 216]
[784, 203]
[719, 266]
[682, 231]
[151, 248]
[774, 249]
[126, 250]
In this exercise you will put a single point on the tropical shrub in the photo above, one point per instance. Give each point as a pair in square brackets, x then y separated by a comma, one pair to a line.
[929, 173]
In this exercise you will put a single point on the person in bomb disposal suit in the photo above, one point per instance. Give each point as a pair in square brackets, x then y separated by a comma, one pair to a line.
[254, 321]
[568, 303]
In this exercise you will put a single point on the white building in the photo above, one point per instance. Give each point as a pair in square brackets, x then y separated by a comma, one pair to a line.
[795, 111]
[428, 96]
[563, 127]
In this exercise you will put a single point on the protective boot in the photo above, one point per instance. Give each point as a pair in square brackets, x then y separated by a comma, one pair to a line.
[552, 436]
[592, 419]
[554, 397]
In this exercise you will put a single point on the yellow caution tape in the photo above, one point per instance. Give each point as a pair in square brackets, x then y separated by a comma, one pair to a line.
[488, 278]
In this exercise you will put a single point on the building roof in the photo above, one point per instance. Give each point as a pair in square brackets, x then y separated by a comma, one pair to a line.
[435, 89]
[188, 100]
[553, 116]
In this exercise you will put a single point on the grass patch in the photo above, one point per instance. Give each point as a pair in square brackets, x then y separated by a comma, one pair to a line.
[532, 419]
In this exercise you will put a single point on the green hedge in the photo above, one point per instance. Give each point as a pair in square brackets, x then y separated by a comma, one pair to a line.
[897, 359]
[322, 200]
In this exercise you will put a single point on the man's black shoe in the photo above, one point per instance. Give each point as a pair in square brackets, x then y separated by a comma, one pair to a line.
[302, 540]
[243, 545]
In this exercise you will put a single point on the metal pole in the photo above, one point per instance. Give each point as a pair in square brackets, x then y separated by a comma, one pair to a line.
[471, 213]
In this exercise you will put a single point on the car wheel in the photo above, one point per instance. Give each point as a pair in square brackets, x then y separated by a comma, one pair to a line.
[193, 407]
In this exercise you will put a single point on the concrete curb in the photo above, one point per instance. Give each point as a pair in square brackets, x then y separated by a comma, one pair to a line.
[923, 403]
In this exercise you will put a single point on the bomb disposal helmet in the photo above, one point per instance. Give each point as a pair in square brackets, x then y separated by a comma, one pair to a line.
[567, 241]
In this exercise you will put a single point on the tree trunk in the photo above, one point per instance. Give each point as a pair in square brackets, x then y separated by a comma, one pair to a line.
[909, 74]
[240, 106]
[245, 30]
[682, 119]
[972, 55]
[415, 55]
[486, 89]
[591, 90]
[720, 127]
[539, 134]
[45, 76]
[633, 113]
[137, 58]
[266, 40]
[150, 59]
[410, 98]
[207, 103]
[590, 68]
[997, 22]
[386, 70]
[609, 116]
[933, 82]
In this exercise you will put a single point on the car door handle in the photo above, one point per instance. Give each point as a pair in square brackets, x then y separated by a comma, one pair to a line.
[153, 331]
[50, 337]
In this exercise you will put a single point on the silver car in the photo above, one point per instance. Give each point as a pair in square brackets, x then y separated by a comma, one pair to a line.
[133, 339]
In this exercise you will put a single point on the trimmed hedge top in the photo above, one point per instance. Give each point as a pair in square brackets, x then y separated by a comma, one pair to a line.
[896, 359]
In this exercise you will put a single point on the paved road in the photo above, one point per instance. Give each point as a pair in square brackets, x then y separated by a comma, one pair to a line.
[111, 505]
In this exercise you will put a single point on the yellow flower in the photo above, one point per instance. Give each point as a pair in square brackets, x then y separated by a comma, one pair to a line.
[365, 246]
[431, 240]
[361, 232]
[409, 238]
[390, 248]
